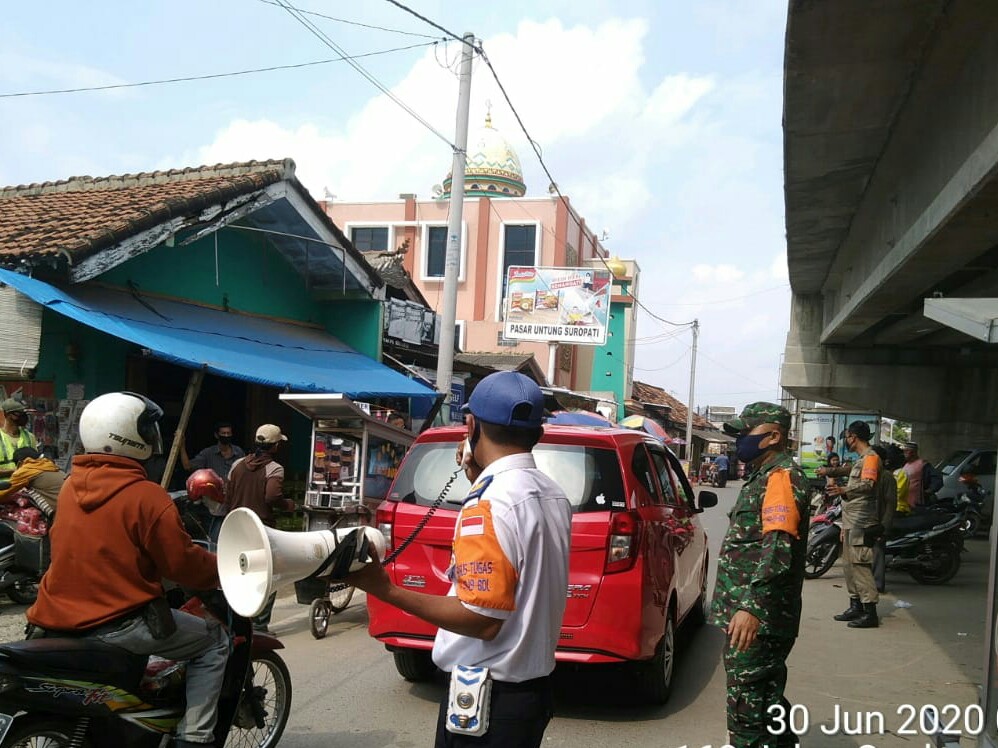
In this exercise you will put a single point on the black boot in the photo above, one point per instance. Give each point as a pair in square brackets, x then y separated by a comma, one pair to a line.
[854, 611]
[869, 618]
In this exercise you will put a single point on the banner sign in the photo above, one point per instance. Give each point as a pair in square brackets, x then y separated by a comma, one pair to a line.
[557, 305]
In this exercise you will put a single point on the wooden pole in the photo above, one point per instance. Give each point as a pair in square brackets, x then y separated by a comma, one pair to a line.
[193, 387]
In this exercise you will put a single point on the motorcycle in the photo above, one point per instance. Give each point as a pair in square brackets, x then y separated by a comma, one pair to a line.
[927, 545]
[82, 692]
[24, 526]
[824, 544]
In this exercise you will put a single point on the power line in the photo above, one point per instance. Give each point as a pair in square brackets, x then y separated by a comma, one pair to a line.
[437, 26]
[211, 76]
[533, 144]
[353, 23]
[324, 38]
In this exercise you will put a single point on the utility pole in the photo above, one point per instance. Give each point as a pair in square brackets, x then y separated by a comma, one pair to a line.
[689, 406]
[452, 261]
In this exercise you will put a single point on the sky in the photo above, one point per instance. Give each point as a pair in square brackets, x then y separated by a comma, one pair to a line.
[659, 119]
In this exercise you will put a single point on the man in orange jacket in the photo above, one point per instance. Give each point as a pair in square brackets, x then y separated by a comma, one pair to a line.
[117, 537]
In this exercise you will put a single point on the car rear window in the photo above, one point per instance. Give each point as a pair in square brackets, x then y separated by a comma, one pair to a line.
[952, 462]
[589, 476]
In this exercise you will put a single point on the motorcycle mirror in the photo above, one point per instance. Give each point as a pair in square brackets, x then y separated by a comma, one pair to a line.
[706, 499]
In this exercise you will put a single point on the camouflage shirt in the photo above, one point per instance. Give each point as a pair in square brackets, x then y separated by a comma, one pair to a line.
[761, 566]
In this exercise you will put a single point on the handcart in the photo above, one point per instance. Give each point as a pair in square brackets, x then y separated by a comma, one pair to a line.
[354, 458]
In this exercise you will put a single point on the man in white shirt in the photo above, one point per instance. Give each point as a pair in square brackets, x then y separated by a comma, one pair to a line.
[509, 569]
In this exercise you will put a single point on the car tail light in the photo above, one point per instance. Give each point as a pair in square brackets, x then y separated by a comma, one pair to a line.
[383, 520]
[625, 533]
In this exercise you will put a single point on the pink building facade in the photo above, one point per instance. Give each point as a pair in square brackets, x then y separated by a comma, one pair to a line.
[499, 229]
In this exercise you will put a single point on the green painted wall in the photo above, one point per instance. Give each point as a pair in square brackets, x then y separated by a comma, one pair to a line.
[609, 372]
[252, 276]
[99, 358]
[358, 323]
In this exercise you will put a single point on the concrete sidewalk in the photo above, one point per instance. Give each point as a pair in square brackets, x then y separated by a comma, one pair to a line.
[931, 653]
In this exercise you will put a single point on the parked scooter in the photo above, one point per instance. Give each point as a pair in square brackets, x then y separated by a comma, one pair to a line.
[928, 544]
[24, 524]
[824, 544]
[82, 692]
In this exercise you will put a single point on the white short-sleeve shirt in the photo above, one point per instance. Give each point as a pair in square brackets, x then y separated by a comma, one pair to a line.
[510, 561]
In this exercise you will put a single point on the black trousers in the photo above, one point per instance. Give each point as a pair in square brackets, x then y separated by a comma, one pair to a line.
[519, 715]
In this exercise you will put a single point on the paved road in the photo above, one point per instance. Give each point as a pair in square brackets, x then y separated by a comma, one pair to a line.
[347, 693]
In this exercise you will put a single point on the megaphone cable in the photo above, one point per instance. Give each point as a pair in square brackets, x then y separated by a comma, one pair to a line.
[426, 518]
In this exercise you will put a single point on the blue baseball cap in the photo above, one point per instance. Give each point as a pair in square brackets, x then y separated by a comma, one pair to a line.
[507, 398]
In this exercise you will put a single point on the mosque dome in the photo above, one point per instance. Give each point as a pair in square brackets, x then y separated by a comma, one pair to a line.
[493, 168]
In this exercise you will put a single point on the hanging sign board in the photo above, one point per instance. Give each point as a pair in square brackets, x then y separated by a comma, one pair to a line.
[557, 305]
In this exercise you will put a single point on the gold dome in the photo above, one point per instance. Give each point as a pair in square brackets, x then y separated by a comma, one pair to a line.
[493, 168]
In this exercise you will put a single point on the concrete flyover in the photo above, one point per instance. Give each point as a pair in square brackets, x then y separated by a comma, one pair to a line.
[891, 182]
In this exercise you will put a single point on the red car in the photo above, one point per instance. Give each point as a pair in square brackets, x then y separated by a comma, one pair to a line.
[638, 564]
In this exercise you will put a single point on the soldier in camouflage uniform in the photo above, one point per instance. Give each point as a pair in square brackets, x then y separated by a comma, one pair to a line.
[760, 573]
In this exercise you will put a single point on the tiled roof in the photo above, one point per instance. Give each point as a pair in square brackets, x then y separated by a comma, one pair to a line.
[647, 393]
[525, 363]
[80, 216]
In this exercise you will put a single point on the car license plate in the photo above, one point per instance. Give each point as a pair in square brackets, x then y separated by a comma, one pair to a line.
[6, 720]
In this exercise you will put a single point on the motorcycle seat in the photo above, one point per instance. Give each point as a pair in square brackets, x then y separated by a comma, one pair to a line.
[74, 655]
[918, 522]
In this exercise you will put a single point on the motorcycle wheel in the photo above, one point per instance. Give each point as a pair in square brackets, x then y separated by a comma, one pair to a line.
[820, 559]
[271, 686]
[340, 598]
[970, 526]
[41, 733]
[318, 616]
[24, 592]
[945, 563]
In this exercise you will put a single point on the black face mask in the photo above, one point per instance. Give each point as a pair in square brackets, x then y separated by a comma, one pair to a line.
[19, 418]
[225, 440]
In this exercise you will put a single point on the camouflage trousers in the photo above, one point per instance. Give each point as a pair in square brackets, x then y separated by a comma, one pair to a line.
[756, 679]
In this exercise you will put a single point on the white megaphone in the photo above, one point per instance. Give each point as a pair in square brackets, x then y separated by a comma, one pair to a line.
[254, 559]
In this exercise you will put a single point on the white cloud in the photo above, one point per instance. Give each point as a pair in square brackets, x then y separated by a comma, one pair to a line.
[717, 273]
[381, 151]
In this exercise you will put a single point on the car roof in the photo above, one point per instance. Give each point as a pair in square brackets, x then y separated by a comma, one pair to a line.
[553, 434]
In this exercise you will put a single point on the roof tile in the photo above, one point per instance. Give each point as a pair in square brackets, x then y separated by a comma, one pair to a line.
[82, 215]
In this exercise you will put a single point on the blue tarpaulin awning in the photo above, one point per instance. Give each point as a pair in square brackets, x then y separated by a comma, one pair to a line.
[253, 349]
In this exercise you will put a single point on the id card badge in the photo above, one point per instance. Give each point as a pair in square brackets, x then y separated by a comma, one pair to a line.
[469, 700]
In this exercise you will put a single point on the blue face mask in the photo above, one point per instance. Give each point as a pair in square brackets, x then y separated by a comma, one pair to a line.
[747, 447]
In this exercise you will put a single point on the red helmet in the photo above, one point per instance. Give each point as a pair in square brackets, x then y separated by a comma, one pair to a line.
[205, 484]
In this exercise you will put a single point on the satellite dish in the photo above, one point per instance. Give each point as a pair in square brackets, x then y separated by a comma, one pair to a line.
[437, 190]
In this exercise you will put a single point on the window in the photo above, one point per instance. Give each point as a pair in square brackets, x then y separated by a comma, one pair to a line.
[436, 251]
[664, 479]
[459, 335]
[589, 476]
[433, 253]
[370, 238]
[519, 247]
[642, 469]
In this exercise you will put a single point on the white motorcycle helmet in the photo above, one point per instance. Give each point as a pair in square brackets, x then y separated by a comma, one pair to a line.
[122, 423]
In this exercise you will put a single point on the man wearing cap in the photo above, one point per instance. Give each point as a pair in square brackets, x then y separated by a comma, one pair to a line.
[13, 434]
[861, 527]
[508, 571]
[257, 483]
[760, 573]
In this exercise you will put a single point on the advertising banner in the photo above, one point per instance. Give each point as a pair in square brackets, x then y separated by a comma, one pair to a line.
[557, 305]
[821, 436]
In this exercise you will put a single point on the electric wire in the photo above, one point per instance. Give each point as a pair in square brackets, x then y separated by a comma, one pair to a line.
[210, 76]
[324, 38]
[480, 49]
[354, 23]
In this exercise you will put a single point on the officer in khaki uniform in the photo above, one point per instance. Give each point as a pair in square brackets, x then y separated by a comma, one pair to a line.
[760, 573]
[861, 527]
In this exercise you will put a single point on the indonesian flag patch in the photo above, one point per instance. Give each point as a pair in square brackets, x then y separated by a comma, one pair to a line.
[472, 526]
